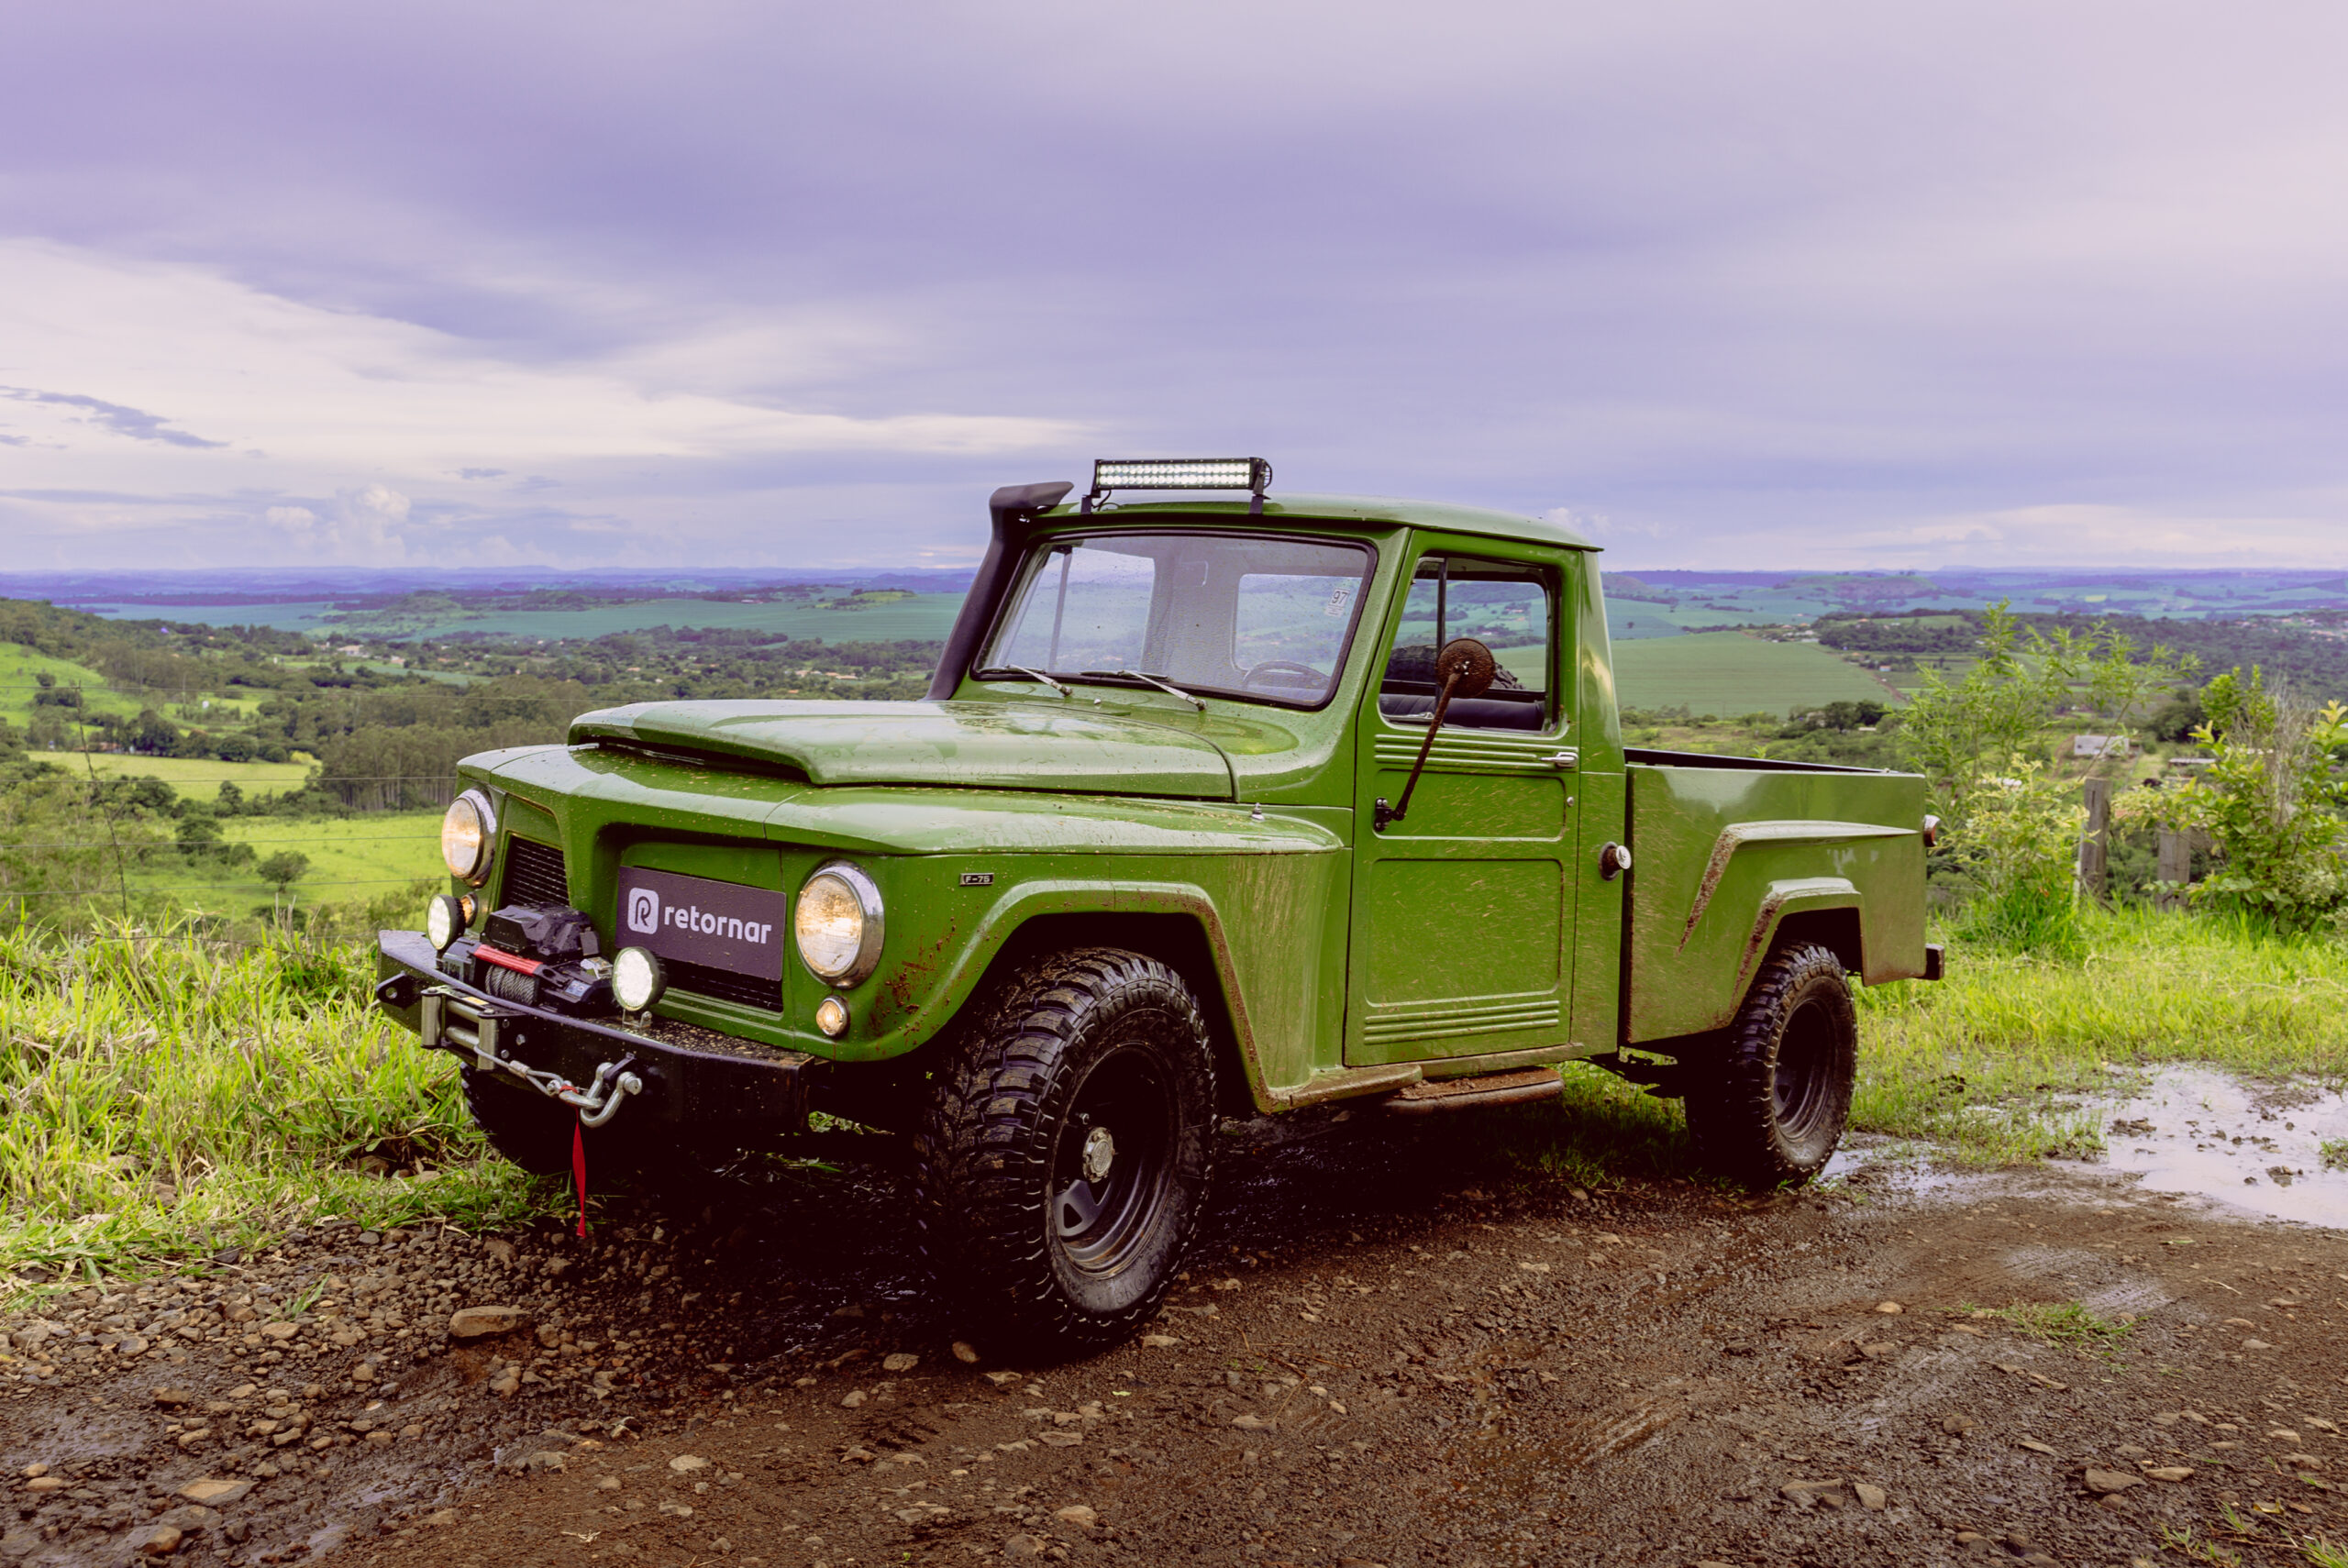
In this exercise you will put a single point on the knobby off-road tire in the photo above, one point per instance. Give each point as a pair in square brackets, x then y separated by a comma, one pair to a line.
[1063, 1162]
[1770, 1109]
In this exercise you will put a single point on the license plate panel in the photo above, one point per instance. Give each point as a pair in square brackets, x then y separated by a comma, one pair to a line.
[693, 920]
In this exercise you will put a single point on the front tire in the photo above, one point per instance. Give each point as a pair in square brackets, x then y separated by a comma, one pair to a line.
[1769, 1111]
[1063, 1162]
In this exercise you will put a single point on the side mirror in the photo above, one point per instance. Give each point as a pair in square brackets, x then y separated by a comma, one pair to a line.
[1466, 667]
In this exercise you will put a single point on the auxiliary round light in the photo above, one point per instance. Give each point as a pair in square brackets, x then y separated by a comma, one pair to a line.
[468, 835]
[445, 919]
[831, 1017]
[837, 922]
[637, 979]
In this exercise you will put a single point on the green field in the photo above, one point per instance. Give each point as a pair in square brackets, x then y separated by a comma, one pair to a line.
[1728, 672]
[924, 617]
[195, 779]
[351, 859]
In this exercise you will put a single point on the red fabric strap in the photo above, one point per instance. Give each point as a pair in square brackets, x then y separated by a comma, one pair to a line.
[579, 1172]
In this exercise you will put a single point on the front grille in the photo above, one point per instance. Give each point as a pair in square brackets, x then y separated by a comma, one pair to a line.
[723, 985]
[534, 874]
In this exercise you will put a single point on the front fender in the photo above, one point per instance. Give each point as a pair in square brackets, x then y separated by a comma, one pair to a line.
[1275, 966]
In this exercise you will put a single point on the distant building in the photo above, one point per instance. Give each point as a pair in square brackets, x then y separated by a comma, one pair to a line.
[2101, 746]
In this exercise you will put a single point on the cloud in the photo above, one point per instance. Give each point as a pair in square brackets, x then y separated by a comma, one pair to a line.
[1812, 283]
[137, 423]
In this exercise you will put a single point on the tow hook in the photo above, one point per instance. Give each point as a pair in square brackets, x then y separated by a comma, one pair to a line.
[453, 1020]
[598, 1102]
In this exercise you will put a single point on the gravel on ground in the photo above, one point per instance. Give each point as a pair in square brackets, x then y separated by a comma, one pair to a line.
[1387, 1351]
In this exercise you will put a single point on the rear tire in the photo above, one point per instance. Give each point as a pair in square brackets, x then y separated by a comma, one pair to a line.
[1769, 1111]
[1063, 1162]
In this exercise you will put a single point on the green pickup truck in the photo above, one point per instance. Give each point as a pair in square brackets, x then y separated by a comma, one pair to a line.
[1220, 805]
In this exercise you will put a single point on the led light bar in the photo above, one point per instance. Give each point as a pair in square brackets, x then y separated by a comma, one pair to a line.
[1251, 474]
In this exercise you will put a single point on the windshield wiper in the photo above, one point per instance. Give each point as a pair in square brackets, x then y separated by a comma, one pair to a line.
[1030, 674]
[1160, 681]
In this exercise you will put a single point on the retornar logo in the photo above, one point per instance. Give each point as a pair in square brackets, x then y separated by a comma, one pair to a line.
[643, 911]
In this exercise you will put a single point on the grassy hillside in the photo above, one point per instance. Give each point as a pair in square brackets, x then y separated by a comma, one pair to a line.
[20, 669]
[1728, 672]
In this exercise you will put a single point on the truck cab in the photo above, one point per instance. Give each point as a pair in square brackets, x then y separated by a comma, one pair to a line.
[1217, 805]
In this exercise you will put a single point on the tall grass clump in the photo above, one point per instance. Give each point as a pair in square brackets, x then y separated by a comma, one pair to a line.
[163, 1094]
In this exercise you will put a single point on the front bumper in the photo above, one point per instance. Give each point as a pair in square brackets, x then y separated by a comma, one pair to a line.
[688, 1075]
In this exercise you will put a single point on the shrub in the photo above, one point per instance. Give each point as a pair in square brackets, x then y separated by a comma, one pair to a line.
[2268, 800]
[2018, 846]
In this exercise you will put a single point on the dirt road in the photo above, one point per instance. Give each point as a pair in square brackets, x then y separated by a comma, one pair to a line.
[1389, 1352]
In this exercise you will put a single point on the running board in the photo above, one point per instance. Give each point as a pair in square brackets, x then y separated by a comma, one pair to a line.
[1520, 1088]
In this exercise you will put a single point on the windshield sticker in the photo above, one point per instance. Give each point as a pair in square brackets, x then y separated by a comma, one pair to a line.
[1339, 597]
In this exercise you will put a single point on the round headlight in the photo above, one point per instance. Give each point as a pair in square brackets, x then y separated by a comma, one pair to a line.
[444, 921]
[638, 979]
[467, 834]
[837, 924]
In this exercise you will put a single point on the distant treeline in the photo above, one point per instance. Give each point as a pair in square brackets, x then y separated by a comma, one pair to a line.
[2312, 658]
[388, 728]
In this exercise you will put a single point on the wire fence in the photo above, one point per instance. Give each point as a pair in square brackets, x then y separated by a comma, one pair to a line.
[109, 892]
[205, 845]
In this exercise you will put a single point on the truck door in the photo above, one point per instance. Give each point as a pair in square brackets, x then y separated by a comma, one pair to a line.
[1462, 911]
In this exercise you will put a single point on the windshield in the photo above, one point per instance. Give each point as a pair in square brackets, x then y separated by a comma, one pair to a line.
[1266, 619]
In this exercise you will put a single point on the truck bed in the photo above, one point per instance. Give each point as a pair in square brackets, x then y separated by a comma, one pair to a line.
[1729, 853]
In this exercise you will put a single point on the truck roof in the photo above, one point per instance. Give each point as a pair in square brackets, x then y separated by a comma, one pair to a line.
[1307, 508]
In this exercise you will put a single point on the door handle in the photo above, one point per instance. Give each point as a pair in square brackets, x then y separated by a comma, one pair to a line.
[1563, 759]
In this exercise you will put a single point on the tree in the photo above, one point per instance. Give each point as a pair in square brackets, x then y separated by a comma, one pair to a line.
[2269, 801]
[1958, 734]
[285, 868]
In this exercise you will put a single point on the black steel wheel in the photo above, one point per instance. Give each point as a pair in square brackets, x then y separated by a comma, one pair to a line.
[1769, 1111]
[1063, 1162]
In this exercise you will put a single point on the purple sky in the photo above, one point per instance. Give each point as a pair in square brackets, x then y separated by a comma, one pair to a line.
[1738, 285]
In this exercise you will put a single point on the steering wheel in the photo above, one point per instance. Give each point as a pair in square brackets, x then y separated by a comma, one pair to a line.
[1284, 666]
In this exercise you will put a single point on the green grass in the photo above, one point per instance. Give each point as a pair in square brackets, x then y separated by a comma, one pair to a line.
[20, 669]
[351, 859]
[1993, 1061]
[2335, 1152]
[195, 779]
[1728, 672]
[161, 1096]
[2065, 1323]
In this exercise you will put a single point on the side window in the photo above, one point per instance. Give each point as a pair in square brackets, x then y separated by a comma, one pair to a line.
[1506, 606]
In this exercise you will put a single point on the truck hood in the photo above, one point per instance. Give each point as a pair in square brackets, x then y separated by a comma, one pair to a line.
[973, 744]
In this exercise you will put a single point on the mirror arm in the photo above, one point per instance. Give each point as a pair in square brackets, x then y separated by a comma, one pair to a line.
[1382, 814]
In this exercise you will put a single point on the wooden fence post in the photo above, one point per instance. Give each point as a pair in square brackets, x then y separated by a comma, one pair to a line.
[2095, 842]
[2176, 866]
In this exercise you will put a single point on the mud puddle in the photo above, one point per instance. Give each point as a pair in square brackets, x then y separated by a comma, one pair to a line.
[2258, 1147]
